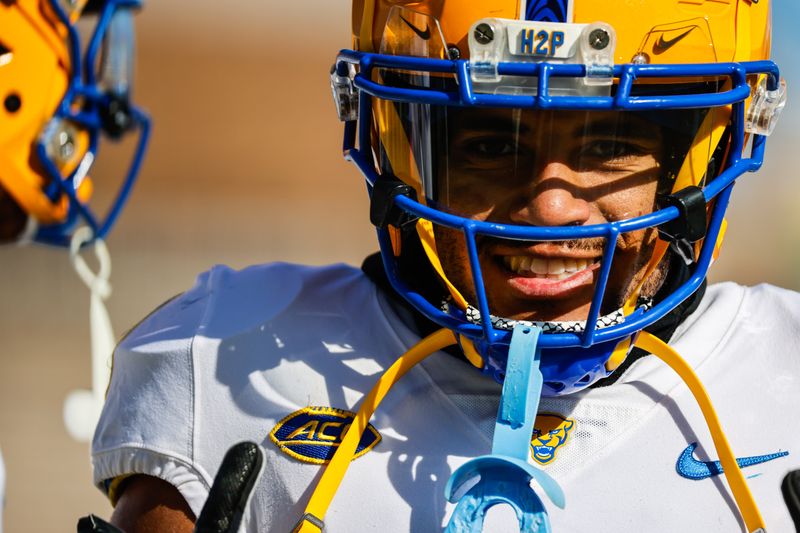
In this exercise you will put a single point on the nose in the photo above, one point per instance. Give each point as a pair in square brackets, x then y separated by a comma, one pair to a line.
[553, 200]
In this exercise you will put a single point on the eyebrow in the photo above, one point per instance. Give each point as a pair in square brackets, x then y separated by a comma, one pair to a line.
[620, 127]
[493, 123]
[617, 128]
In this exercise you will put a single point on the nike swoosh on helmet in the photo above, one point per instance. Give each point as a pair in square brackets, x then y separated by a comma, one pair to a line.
[662, 45]
[425, 35]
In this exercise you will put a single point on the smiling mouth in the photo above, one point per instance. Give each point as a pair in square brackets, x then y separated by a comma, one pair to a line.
[554, 268]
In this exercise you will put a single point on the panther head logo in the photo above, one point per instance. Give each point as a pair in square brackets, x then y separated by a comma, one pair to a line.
[550, 432]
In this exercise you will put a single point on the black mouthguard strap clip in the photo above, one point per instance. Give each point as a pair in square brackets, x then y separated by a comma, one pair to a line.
[690, 226]
[383, 212]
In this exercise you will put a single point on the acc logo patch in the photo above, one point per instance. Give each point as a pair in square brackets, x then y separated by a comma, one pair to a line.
[550, 432]
[313, 434]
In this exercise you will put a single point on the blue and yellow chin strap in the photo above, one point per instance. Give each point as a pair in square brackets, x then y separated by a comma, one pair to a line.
[505, 475]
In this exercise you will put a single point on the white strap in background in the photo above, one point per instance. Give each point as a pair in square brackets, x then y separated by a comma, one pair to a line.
[2, 490]
[82, 407]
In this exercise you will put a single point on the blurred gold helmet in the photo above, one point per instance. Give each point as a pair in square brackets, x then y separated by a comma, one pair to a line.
[59, 99]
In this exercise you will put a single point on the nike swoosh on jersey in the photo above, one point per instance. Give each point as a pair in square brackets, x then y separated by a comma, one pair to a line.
[663, 45]
[692, 468]
[424, 35]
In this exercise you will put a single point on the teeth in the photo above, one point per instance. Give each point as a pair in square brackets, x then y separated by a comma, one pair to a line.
[539, 266]
[546, 268]
[555, 266]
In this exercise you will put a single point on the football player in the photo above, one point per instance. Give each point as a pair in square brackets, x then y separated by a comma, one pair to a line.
[60, 97]
[549, 182]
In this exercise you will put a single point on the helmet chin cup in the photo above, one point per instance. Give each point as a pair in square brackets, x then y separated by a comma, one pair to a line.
[564, 370]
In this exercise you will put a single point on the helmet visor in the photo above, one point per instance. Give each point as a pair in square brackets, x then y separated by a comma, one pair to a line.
[496, 164]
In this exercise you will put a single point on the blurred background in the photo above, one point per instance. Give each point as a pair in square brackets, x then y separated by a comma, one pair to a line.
[245, 167]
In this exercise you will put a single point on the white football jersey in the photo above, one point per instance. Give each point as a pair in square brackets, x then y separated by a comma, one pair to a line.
[276, 353]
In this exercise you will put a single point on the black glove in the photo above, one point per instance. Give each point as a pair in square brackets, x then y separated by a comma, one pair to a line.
[227, 499]
[93, 524]
[791, 495]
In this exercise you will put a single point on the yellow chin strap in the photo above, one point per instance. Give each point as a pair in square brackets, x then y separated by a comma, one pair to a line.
[733, 474]
[312, 520]
[425, 232]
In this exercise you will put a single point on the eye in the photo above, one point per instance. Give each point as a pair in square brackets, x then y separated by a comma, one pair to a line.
[487, 151]
[491, 147]
[611, 150]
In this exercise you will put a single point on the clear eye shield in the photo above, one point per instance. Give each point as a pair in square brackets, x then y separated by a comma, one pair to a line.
[468, 153]
[537, 168]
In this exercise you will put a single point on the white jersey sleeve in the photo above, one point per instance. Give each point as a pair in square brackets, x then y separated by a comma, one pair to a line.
[186, 382]
[147, 425]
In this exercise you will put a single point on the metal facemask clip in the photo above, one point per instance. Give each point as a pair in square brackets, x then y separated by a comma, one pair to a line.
[504, 476]
[766, 108]
[345, 93]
